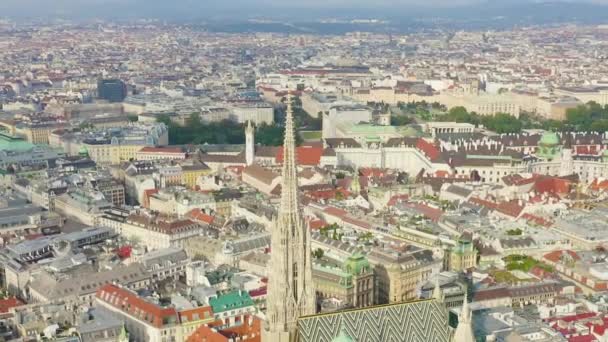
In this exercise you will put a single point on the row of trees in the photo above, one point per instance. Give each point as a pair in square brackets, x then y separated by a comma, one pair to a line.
[225, 132]
[422, 109]
[584, 118]
[500, 123]
[589, 117]
[413, 107]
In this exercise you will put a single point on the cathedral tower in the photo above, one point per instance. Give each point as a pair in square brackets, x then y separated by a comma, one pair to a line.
[249, 144]
[464, 330]
[290, 288]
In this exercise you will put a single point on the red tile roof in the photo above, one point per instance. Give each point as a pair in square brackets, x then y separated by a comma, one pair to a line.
[574, 318]
[536, 219]
[441, 174]
[147, 194]
[306, 155]
[431, 213]
[199, 215]
[335, 211]
[357, 222]
[511, 208]
[372, 172]
[556, 256]
[131, 303]
[430, 150]
[316, 224]
[599, 184]
[321, 194]
[396, 199]
[262, 291]
[491, 294]
[554, 185]
[247, 331]
[7, 304]
[483, 203]
[163, 224]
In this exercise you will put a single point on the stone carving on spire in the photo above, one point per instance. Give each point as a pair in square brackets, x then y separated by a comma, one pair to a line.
[290, 289]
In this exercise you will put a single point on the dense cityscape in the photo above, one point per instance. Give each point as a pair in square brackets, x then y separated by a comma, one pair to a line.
[166, 182]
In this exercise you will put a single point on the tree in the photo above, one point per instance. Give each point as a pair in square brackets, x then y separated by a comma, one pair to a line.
[318, 253]
[164, 118]
[502, 123]
[459, 114]
[132, 118]
[400, 120]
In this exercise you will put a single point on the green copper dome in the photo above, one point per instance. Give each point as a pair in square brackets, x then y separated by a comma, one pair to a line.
[342, 337]
[548, 146]
[83, 151]
[549, 139]
[356, 264]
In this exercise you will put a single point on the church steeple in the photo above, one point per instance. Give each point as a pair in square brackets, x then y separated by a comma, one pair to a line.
[290, 289]
[249, 143]
[464, 330]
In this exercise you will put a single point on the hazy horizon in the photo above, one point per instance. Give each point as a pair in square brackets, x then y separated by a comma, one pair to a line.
[305, 16]
[171, 9]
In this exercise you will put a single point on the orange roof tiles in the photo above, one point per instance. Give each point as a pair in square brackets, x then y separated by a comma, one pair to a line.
[199, 215]
[136, 306]
[248, 331]
[306, 155]
[430, 150]
[316, 224]
[511, 208]
[554, 185]
[7, 304]
[556, 256]
[335, 211]
[599, 184]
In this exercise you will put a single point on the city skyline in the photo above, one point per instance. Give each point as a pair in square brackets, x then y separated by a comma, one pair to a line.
[323, 171]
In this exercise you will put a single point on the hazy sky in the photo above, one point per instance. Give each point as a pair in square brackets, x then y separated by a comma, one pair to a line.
[204, 8]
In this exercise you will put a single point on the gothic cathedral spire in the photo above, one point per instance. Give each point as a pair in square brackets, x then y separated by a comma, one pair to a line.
[249, 143]
[290, 290]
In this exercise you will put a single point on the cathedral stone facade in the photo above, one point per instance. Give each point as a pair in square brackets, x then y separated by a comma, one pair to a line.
[291, 291]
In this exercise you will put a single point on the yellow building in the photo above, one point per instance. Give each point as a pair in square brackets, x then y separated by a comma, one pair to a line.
[191, 174]
[353, 283]
[461, 257]
[398, 274]
[111, 154]
[38, 134]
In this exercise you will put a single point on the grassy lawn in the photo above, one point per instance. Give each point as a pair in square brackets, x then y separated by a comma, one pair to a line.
[310, 135]
[502, 277]
[524, 263]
